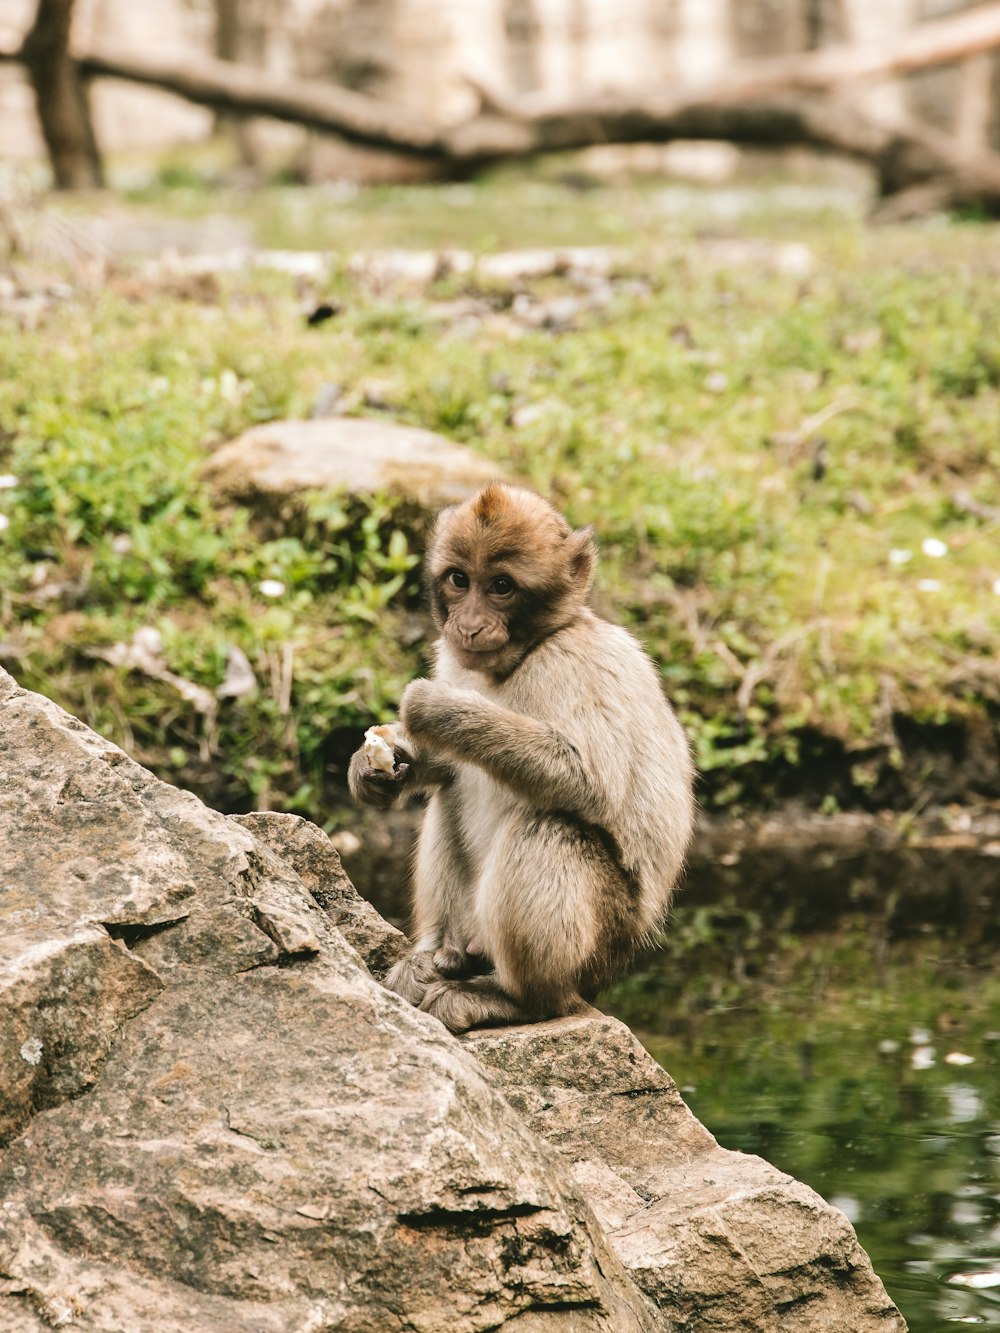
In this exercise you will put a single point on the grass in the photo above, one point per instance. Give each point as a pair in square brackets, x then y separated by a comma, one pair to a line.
[751, 440]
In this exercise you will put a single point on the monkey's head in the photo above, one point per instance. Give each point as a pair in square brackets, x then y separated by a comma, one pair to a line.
[505, 571]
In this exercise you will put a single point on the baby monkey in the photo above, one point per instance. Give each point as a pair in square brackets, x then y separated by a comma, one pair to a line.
[560, 780]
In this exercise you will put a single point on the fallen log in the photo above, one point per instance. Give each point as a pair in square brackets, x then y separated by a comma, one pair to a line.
[241, 89]
[902, 155]
[754, 105]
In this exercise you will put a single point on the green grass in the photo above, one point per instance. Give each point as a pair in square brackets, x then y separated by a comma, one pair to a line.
[749, 444]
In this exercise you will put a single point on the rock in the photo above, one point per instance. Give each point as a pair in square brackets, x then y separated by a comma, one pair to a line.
[516, 266]
[212, 1117]
[315, 860]
[718, 1239]
[62, 1004]
[312, 264]
[347, 454]
[390, 270]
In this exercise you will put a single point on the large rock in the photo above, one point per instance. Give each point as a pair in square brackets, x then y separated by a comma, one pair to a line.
[355, 456]
[719, 1239]
[314, 859]
[213, 1118]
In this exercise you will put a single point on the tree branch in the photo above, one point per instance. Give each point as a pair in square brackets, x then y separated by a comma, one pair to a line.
[254, 92]
[937, 42]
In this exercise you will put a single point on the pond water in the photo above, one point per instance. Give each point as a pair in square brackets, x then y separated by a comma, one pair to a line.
[871, 1071]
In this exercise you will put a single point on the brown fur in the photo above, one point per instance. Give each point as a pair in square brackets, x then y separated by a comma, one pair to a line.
[561, 784]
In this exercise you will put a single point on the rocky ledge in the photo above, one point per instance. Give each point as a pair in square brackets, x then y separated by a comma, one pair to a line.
[213, 1117]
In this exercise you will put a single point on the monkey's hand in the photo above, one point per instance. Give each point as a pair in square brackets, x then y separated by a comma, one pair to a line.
[428, 710]
[373, 786]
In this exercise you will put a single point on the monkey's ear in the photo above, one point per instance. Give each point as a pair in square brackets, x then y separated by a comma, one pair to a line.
[581, 549]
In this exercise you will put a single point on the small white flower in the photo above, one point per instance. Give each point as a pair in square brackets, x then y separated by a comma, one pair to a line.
[959, 1058]
[271, 587]
[4, 522]
[122, 544]
[996, 586]
[8, 481]
[933, 546]
[31, 1051]
[888, 1047]
[929, 585]
[897, 556]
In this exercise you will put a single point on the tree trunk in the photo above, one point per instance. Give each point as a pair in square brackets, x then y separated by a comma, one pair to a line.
[228, 47]
[61, 98]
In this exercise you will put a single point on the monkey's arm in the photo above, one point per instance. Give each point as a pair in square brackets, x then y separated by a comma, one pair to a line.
[373, 786]
[531, 757]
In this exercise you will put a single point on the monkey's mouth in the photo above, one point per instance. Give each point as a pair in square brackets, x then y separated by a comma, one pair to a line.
[481, 659]
[484, 659]
[479, 646]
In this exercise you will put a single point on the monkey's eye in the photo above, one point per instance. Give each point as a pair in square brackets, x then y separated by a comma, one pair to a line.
[502, 585]
[457, 578]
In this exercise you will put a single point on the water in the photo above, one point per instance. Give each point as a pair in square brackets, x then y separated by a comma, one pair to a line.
[871, 1071]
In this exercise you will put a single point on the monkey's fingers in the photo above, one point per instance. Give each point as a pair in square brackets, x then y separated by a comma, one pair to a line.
[378, 777]
[375, 787]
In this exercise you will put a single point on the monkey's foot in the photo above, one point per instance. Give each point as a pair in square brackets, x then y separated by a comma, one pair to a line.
[454, 962]
[451, 961]
[461, 1005]
[412, 976]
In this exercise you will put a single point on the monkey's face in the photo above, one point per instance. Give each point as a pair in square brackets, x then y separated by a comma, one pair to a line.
[478, 611]
[505, 571]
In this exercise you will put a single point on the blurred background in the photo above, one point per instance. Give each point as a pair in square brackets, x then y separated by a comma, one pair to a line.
[719, 277]
[431, 57]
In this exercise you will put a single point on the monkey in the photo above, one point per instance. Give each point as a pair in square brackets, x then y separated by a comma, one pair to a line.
[559, 778]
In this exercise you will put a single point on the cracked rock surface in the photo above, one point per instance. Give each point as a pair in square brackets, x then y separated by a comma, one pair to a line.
[213, 1118]
[720, 1239]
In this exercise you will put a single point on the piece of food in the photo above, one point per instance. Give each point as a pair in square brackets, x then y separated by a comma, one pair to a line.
[379, 745]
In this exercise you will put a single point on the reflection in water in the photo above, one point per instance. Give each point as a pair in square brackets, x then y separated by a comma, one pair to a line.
[883, 1094]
